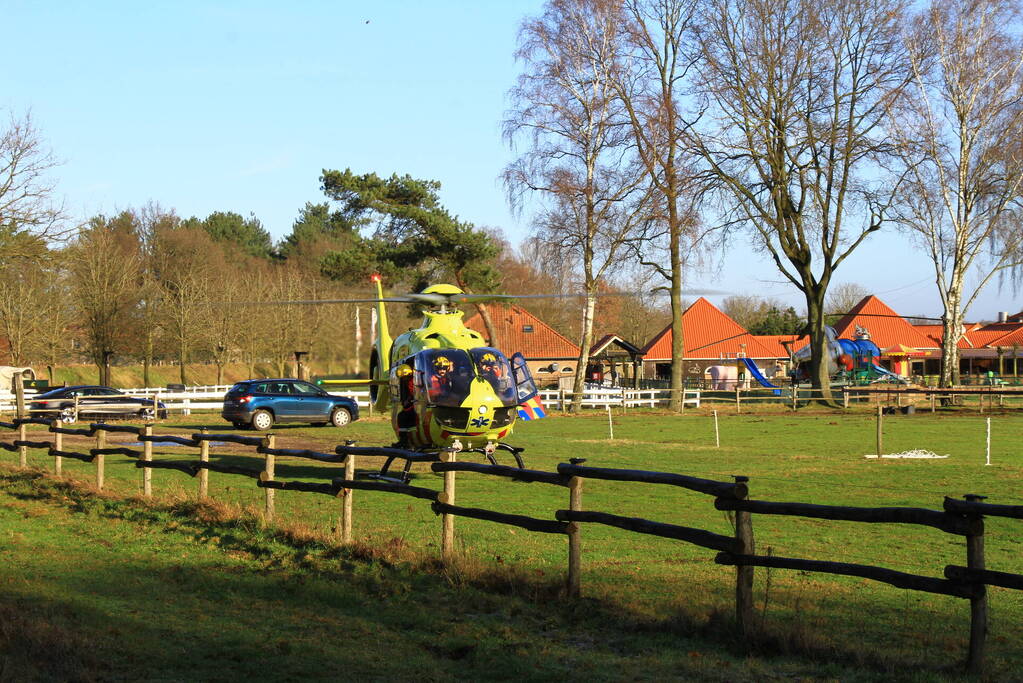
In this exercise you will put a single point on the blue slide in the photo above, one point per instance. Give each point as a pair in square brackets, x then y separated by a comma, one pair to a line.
[758, 376]
[888, 374]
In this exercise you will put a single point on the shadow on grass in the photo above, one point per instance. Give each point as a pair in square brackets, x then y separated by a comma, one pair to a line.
[286, 595]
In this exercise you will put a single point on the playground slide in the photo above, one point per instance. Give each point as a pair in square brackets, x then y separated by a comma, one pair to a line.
[888, 373]
[755, 371]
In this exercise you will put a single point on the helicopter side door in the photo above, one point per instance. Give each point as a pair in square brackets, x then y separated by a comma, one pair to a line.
[525, 387]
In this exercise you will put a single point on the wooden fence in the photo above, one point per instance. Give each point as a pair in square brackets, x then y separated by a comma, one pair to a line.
[963, 518]
[931, 396]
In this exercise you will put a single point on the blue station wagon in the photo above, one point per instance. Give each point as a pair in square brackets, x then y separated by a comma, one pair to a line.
[260, 403]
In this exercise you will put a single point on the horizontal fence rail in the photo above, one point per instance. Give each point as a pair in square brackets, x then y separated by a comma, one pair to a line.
[964, 518]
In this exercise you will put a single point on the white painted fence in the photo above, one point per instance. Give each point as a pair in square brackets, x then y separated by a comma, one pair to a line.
[211, 398]
[600, 397]
[193, 399]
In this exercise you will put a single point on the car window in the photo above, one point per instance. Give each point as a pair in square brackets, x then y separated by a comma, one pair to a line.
[306, 388]
[105, 391]
[280, 388]
[262, 388]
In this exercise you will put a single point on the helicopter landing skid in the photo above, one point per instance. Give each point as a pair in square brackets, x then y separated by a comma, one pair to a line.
[489, 453]
[406, 472]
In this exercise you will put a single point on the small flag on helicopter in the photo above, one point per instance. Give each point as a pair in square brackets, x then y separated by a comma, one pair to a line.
[532, 409]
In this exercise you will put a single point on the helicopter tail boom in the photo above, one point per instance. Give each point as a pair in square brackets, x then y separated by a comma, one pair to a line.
[380, 370]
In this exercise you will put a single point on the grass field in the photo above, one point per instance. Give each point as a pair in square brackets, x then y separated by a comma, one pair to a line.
[175, 589]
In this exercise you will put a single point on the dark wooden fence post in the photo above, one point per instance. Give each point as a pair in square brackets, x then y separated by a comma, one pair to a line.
[147, 456]
[204, 474]
[268, 475]
[978, 604]
[744, 573]
[447, 538]
[575, 559]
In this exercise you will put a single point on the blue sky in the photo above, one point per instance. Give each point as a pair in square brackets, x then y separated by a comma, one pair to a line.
[206, 106]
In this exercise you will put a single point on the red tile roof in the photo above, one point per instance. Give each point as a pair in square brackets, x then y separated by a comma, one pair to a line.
[997, 334]
[979, 336]
[886, 327]
[708, 334]
[1011, 338]
[543, 343]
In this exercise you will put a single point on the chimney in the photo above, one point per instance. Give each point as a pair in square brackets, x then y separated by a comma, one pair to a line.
[1003, 316]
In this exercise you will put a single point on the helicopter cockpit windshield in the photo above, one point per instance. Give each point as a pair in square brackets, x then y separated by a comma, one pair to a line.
[494, 368]
[446, 375]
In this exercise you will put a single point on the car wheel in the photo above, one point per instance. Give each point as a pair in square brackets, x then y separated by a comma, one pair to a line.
[262, 420]
[340, 417]
[147, 414]
[68, 415]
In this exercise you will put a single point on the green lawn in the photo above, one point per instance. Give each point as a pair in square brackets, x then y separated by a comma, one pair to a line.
[109, 569]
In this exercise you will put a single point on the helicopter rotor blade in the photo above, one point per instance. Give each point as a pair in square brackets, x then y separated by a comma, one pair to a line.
[311, 302]
[434, 299]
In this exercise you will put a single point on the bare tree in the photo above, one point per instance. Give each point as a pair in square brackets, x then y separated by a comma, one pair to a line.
[843, 297]
[57, 316]
[29, 215]
[20, 294]
[651, 65]
[225, 322]
[748, 310]
[961, 136]
[104, 263]
[578, 159]
[797, 94]
[152, 220]
[186, 276]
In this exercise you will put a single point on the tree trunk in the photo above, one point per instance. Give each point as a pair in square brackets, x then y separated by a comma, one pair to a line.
[488, 323]
[820, 376]
[182, 359]
[675, 401]
[578, 386]
[677, 334]
[147, 358]
[951, 331]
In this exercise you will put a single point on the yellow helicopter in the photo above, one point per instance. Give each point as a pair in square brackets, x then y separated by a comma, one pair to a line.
[444, 385]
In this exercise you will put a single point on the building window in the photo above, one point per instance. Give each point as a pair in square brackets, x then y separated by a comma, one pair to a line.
[527, 328]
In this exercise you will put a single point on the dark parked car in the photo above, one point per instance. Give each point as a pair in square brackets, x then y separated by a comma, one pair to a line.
[260, 403]
[93, 401]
